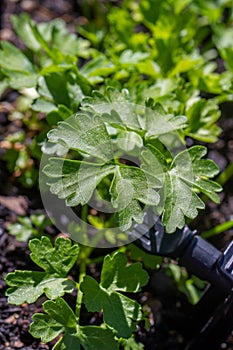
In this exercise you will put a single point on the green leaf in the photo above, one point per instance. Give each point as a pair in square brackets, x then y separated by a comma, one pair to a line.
[96, 338]
[128, 141]
[131, 344]
[128, 57]
[119, 311]
[127, 202]
[97, 68]
[28, 286]
[180, 202]
[90, 337]
[185, 284]
[58, 115]
[20, 71]
[68, 341]
[116, 275]
[218, 229]
[76, 180]
[60, 90]
[157, 122]
[202, 116]
[13, 59]
[56, 261]
[40, 220]
[118, 111]
[114, 106]
[3, 83]
[60, 319]
[22, 229]
[56, 85]
[84, 133]
[183, 177]
[76, 183]
[149, 261]
[43, 106]
[54, 33]
[22, 25]
[67, 42]
[73, 182]
[94, 296]
[186, 64]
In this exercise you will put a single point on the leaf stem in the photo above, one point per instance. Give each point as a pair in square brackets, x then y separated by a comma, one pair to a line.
[82, 274]
[84, 254]
[97, 260]
[84, 213]
[225, 175]
[218, 229]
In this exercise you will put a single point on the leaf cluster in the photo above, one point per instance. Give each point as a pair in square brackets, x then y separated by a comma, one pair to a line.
[120, 313]
[142, 78]
[156, 59]
[168, 182]
[27, 227]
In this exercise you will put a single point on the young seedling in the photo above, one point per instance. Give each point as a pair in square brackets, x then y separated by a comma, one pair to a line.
[120, 313]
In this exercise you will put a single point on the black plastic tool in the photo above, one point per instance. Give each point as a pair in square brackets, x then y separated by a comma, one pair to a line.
[212, 319]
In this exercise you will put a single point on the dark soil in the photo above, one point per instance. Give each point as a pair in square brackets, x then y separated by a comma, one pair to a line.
[169, 307]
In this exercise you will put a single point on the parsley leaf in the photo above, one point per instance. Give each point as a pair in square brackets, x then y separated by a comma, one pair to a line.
[17, 67]
[202, 116]
[83, 133]
[75, 183]
[28, 286]
[116, 275]
[119, 311]
[184, 176]
[57, 260]
[60, 319]
[127, 202]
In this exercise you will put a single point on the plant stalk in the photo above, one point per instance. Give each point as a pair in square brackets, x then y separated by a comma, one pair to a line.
[225, 175]
[82, 274]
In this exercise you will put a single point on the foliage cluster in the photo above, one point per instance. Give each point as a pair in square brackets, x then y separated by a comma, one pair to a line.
[160, 55]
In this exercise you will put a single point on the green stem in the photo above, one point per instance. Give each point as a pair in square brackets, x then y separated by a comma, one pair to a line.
[82, 274]
[218, 229]
[84, 213]
[83, 257]
[223, 98]
[96, 260]
[225, 175]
